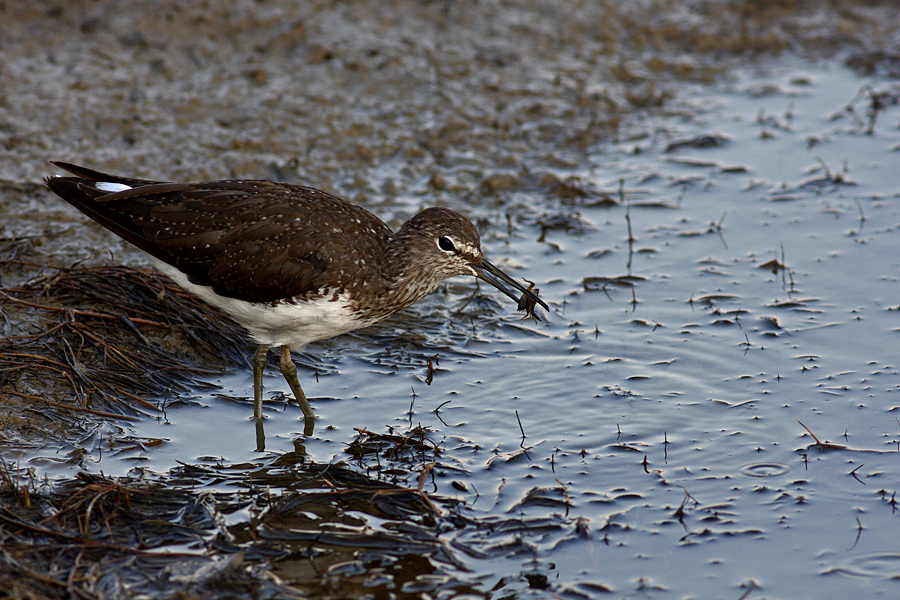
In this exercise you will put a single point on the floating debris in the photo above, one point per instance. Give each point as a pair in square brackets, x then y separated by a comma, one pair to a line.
[712, 140]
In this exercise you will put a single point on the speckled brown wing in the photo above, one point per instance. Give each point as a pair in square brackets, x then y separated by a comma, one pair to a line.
[263, 241]
[257, 241]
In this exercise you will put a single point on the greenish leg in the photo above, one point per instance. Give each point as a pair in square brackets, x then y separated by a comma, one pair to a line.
[259, 365]
[289, 370]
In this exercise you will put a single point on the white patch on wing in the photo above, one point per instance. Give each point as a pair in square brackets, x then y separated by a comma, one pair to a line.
[108, 186]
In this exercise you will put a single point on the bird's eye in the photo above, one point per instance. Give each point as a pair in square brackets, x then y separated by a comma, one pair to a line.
[446, 244]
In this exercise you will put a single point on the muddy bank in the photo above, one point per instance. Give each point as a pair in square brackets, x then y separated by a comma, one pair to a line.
[389, 103]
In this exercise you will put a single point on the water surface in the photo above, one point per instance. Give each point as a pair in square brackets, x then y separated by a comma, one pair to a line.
[662, 416]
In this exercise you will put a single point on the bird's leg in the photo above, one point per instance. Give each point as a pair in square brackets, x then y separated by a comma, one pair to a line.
[259, 365]
[289, 370]
[260, 436]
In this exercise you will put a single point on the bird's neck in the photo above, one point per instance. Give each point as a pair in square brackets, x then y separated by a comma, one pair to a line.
[407, 276]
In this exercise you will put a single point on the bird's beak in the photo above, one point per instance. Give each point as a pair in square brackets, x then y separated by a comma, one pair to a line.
[497, 278]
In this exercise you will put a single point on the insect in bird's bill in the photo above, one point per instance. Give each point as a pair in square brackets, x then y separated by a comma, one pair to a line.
[291, 264]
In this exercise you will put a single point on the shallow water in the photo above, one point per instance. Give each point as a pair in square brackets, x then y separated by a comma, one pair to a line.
[661, 419]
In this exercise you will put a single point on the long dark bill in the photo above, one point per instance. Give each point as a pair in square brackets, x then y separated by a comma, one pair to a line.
[497, 278]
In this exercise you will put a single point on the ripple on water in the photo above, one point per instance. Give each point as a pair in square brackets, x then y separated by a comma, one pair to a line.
[875, 565]
[764, 469]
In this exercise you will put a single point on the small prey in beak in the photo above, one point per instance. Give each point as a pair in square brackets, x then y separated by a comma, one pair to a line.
[500, 280]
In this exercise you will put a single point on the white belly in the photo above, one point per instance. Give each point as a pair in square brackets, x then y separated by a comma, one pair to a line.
[285, 323]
